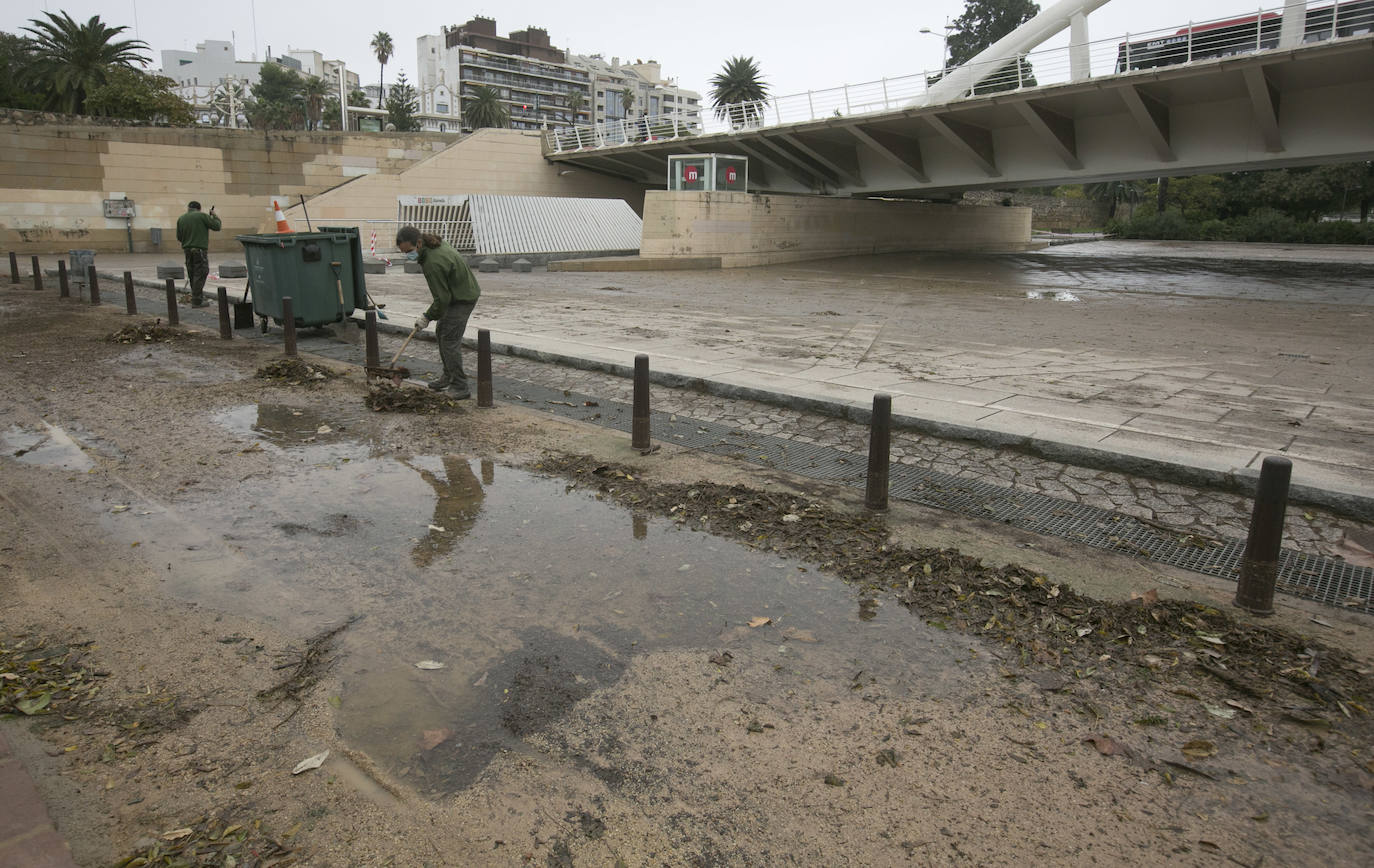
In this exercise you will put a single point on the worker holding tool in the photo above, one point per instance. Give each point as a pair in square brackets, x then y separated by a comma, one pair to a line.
[193, 232]
[455, 293]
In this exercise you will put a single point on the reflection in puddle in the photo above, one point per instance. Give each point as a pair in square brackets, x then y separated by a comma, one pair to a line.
[48, 447]
[1060, 295]
[532, 596]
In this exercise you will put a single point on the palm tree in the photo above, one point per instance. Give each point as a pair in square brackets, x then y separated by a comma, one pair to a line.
[383, 48]
[485, 109]
[576, 101]
[737, 92]
[315, 90]
[72, 59]
[627, 100]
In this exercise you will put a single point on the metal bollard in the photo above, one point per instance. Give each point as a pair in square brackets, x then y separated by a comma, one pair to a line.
[64, 289]
[130, 303]
[374, 353]
[288, 325]
[1259, 565]
[639, 424]
[226, 328]
[173, 317]
[879, 447]
[14, 268]
[483, 368]
[37, 275]
[93, 280]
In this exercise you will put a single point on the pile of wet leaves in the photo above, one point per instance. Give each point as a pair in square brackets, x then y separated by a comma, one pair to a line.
[40, 677]
[1230, 668]
[386, 398]
[294, 372]
[211, 841]
[146, 333]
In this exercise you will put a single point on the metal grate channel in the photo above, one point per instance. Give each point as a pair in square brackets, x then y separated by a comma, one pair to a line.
[1326, 580]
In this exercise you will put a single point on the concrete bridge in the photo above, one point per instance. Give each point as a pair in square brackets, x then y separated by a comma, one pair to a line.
[1284, 87]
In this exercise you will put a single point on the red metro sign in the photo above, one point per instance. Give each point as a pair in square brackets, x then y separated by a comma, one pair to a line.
[731, 176]
[691, 174]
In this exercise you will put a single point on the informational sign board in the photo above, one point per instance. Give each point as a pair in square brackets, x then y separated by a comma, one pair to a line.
[119, 208]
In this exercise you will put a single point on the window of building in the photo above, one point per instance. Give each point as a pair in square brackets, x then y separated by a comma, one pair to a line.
[442, 108]
[653, 105]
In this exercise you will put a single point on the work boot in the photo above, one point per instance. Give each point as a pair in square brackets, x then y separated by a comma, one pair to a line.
[440, 384]
[459, 392]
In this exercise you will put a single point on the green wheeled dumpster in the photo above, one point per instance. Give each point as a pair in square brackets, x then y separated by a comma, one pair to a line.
[321, 272]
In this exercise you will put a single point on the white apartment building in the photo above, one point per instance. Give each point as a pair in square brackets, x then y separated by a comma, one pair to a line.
[653, 95]
[533, 79]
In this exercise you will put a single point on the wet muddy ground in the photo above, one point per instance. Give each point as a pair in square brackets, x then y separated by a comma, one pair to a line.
[521, 642]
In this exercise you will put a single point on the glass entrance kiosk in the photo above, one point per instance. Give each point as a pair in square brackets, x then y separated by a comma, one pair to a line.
[718, 172]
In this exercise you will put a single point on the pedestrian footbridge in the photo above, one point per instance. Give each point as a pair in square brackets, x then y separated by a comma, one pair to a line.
[1288, 86]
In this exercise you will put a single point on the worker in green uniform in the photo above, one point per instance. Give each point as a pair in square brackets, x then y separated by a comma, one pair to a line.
[455, 293]
[193, 232]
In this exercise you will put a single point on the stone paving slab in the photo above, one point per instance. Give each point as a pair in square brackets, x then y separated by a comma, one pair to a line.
[27, 836]
[1062, 398]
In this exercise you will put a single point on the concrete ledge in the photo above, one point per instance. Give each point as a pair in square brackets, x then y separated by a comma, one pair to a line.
[638, 263]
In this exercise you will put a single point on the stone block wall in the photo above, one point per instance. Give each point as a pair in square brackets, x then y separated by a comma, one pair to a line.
[1048, 213]
[746, 229]
[55, 172]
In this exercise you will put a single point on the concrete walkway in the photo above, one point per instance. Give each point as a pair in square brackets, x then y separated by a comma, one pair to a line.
[811, 336]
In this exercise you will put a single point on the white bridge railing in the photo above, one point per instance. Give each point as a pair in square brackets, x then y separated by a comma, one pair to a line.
[1204, 40]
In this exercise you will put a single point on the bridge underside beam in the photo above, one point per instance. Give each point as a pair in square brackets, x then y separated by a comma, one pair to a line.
[843, 161]
[973, 142]
[1152, 117]
[1264, 100]
[806, 180]
[1054, 129]
[903, 151]
[821, 176]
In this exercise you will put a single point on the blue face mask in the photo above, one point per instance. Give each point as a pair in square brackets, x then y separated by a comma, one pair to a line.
[413, 255]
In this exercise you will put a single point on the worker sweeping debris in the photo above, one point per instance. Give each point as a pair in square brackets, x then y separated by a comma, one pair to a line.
[455, 292]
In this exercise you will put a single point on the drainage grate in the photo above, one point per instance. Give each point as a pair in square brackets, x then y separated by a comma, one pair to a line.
[1326, 580]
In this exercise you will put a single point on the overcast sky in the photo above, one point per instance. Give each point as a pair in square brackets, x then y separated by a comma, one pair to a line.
[799, 45]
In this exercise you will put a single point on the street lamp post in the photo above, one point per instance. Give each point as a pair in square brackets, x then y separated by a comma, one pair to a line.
[944, 41]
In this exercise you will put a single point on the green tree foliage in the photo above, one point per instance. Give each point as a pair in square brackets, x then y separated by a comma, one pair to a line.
[70, 59]
[982, 23]
[16, 65]
[484, 109]
[402, 106]
[738, 91]
[316, 91]
[382, 48]
[576, 102]
[627, 101]
[128, 93]
[278, 101]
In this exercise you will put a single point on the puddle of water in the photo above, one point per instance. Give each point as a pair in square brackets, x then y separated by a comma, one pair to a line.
[49, 447]
[162, 361]
[532, 596]
[1061, 295]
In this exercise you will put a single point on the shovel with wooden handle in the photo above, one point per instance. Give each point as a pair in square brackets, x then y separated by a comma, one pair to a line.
[391, 372]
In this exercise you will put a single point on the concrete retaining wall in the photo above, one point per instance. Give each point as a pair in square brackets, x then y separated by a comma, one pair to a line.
[752, 229]
[55, 171]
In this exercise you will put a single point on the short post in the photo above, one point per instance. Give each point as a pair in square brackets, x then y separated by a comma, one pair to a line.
[173, 318]
[374, 354]
[64, 289]
[226, 328]
[483, 368]
[94, 281]
[130, 303]
[879, 443]
[14, 268]
[288, 325]
[1259, 565]
[37, 275]
[639, 423]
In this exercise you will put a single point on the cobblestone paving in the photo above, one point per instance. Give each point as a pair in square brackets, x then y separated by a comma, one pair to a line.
[1192, 510]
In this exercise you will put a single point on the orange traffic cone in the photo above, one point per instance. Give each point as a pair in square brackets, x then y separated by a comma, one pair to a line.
[282, 225]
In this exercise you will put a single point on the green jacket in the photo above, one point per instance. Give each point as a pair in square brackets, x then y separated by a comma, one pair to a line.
[449, 278]
[193, 229]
